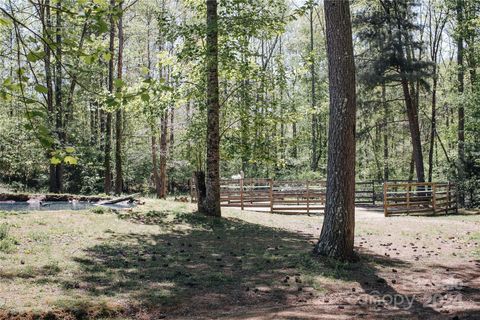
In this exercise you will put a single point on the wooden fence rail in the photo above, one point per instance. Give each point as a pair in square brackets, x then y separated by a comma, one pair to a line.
[300, 197]
[419, 198]
[282, 196]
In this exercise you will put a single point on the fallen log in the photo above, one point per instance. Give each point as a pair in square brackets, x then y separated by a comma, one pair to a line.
[117, 200]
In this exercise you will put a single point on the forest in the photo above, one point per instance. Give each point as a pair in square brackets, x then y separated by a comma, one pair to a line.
[111, 97]
[143, 126]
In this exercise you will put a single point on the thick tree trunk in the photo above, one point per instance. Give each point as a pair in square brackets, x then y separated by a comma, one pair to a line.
[461, 110]
[337, 236]
[201, 190]
[119, 113]
[212, 203]
[107, 165]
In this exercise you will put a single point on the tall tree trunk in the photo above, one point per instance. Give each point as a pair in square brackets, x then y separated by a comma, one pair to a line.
[119, 112]
[58, 95]
[436, 25]
[386, 169]
[107, 166]
[47, 24]
[412, 115]
[433, 127]
[337, 236]
[461, 110]
[212, 200]
[314, 133]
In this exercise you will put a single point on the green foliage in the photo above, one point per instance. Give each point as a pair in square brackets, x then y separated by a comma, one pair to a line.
[100, 210]
[7, 243]
[267, 116]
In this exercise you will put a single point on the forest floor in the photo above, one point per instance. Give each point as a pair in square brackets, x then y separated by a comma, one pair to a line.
[161, 261]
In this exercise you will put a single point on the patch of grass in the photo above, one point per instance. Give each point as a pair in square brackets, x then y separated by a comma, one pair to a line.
[39, 236]
[7, 242]
[100, 210]
[4, 229]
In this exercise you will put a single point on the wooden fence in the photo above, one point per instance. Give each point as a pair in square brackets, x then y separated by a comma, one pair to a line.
[300, 197]
[275, 196]
[283, 196]
[419, 198]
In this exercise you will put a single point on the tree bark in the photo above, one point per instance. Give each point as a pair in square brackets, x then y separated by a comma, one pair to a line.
[433, 127]
[337, 236]
[412, 115]
[212, 203]
[201, 190]
[163, 155]
[314, 133]
[108, 123]
[461, 110]
[59, 129]
[47, 23]
[156, 177]
[436, 26]
[119, 113]
[386, 169]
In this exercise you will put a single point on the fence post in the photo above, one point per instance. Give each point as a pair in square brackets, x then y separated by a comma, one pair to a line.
[409, 187]
[434, 197]
[271, 195]
[373, 192]
[308, 197]
[385, 199]
[241, 194]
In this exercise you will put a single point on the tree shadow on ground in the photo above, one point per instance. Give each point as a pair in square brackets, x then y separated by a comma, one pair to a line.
[201, 267]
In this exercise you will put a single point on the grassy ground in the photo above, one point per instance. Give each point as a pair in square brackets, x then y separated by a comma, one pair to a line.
[162, 261]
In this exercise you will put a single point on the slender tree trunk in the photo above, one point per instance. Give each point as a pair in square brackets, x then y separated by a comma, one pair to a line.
[433, 127]
[93, 122]
[163, 154]
[385, 134]
[108, 123]
[119, 112]
[436, 25]
[314, 133]
[47, 24]
[461, 110]
[294, 138]
[412, 115]
[171, 140]
[60, 130]
[212, 201]
[156, 177]
[337, 236]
